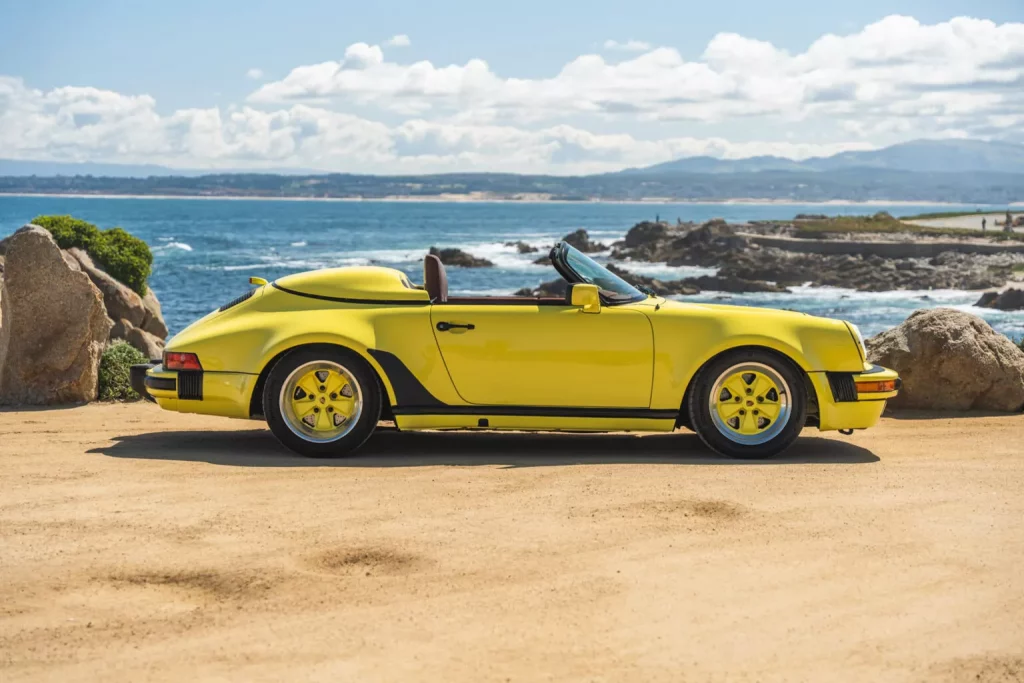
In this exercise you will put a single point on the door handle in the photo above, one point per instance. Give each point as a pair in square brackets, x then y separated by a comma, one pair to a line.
[444, 327]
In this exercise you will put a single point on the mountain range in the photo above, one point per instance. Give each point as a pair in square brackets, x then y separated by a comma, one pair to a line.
[920, 156]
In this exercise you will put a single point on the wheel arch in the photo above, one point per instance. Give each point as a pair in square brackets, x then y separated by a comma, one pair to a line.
[387, 392]
[682, 419]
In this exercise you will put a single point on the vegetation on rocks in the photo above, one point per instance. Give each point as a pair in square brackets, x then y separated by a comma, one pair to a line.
[115, 372]
[123, 256]
[883, 223]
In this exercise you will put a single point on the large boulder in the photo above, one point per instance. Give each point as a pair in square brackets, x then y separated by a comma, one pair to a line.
[581, 240]
[154, 320]
[141, 313]
[120, 301]
[1011, 299]
[951, 360]
[54, 324]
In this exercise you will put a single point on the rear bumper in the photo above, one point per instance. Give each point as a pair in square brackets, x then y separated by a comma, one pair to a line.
[195, 391]
[841, 406]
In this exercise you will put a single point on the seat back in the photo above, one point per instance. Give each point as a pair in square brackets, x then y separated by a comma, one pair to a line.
[435, 280]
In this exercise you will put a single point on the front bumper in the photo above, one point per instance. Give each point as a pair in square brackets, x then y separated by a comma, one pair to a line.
[841, 406]
[195, 391]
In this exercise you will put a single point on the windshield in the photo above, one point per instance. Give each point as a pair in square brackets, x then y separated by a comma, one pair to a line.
[613, 288]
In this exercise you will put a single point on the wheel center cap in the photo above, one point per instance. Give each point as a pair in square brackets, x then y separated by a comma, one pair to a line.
[322, 400]
[750, 403]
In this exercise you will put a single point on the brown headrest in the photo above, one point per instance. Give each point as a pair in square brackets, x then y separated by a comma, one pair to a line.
[435, 279]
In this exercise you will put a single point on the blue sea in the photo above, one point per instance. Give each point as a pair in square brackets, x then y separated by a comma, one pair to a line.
[206, 249]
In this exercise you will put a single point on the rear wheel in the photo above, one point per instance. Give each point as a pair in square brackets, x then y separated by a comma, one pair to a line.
[322, 401]
[748, 404]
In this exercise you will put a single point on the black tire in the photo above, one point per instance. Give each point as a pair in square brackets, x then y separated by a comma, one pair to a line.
[776, 438]
[362, 426]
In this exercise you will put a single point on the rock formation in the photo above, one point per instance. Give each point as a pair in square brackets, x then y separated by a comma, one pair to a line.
[581, 240]
[950, 360]
[457, 257]
[134, 320]
[1011, 299]
[54, 325]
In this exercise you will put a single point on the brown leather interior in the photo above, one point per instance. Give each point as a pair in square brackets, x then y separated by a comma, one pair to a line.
[435, 280]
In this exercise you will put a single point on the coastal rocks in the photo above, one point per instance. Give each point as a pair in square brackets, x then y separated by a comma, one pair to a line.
[137, 320]
[581, 240]
[659, 287]
[950, 360]
[457, 257]
[1007, 300]
[645, 232]
[522, 247]
[52, 335]
[546, 289]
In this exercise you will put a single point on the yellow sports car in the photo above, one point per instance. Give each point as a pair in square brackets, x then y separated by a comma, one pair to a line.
[324, 355]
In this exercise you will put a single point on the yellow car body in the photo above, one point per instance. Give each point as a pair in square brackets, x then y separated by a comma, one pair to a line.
[525, 365]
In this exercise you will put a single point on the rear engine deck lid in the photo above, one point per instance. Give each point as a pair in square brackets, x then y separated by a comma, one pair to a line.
[360, 283]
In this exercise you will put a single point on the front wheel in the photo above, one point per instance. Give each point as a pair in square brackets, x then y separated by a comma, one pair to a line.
[322, 402]
[748, 404]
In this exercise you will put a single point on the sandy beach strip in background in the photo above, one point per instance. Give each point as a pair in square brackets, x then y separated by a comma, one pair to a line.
[141, 545]
[967, 222]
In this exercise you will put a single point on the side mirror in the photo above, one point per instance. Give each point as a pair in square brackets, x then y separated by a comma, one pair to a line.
[585, 296]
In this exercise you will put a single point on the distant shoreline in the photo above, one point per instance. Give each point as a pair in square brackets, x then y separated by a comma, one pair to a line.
[465, 199]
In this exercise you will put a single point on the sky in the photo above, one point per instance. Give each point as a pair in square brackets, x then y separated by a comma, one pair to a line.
[526, 86]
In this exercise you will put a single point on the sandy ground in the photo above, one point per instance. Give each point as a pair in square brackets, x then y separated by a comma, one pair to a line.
[141, 545]
[971, 222]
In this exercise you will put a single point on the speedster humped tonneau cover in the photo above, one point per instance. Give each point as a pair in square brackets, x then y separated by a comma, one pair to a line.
[356, 283]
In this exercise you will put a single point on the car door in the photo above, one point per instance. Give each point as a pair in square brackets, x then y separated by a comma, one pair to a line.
[546, 355]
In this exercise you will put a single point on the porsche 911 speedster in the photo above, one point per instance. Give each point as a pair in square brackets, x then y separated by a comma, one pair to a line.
[324, 355]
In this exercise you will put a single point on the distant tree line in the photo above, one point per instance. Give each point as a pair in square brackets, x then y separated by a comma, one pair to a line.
[855, 184]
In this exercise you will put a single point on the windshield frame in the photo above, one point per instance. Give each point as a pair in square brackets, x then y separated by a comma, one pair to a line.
[560, 258]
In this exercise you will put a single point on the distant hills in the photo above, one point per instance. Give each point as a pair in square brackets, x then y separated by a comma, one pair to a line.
[960, 171]
[921, 156]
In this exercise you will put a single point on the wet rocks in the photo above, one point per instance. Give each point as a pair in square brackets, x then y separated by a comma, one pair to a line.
[1008, 300]
[54, 324]
[522, 247]
[951, 360]
[581, 240]
[457, 257]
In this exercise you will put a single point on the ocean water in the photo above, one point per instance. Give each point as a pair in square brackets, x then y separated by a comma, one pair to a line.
[206, 249]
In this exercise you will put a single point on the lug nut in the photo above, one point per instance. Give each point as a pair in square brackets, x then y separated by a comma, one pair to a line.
[738, 399]
[743, 412]
[749, 392]
[760, 399]
[316, 409]
[323, 388]
[334, 395]
[330, 409]
[755, 412]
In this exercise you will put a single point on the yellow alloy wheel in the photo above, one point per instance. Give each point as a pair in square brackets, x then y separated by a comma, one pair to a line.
[750, 403]
[321, 401]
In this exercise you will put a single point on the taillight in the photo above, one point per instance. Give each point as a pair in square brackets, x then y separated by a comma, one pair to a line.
[181, 361]
[882, 387]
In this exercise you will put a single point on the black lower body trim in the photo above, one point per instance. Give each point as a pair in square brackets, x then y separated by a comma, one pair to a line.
[539, 411]
[161, 383]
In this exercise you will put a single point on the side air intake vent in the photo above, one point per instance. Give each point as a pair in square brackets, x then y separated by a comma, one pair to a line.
[235, 302]
[844, 390]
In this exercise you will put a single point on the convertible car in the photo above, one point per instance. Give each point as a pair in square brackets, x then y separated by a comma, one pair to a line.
[324, 355]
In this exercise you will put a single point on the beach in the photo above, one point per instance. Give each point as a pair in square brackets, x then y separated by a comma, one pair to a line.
[145, 545]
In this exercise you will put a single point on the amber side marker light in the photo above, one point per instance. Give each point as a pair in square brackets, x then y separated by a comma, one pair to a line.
[876, 387]
[181, 361]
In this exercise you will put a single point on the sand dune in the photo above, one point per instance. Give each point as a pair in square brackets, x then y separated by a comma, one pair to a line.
[141, 545]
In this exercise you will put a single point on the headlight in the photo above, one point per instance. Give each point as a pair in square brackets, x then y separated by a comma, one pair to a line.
[860, 340]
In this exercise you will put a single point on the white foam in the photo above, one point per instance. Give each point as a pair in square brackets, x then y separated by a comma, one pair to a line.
[173, 245]
[299, 244]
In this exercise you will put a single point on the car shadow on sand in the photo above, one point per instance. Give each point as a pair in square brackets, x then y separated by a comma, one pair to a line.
[390, 448]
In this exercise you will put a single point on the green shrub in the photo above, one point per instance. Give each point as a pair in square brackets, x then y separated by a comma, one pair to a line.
[125, 257]
[115, 372]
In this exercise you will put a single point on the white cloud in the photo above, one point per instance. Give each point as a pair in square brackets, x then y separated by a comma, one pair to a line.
[254, 73]
[627, 46]
[401, 40]
[895, 80]
[892, 65]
